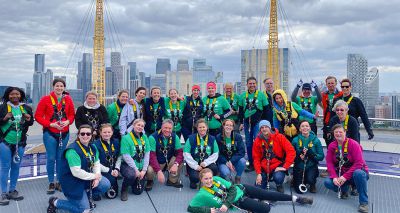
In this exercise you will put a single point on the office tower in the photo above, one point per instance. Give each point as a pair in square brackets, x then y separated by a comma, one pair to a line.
[159, 81]
[142, 79]
[163, 65]
[28, 91]
[254, 63]
[202, 73]
[121, 73]
[77, 96]
[109, 82]
[364, 83]
[63, 77]
[133, 73]
[182, 81]
[38, 76]
[84, 80]
[182, 65]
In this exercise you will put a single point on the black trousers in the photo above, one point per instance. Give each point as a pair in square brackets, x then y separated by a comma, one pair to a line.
[251, 193]
[113, 181]
[310, 177]
[130, 179]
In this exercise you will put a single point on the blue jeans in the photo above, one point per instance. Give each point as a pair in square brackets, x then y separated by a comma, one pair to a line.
[239, 167]
[78, 206]
[53, 153]
[250, 134]
[7, 166]
[278, 178]
[359, 178]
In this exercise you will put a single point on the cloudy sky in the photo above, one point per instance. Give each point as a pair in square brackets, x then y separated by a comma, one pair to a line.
[323, 32]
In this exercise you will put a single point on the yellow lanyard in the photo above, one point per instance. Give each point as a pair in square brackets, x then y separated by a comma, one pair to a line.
[199, 141]
[105, 147]
[345, 150]
[118, 109]
[346, 123]
[230, 98]
[135, 141]
[9, 109]
[53, 102]
[177, 106]
[348, 101]
[310, 145]
[84, 150]
[193, 103]
[220, 188]
[213, 102]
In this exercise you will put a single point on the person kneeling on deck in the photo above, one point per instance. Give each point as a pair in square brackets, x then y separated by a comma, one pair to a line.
[135, 151]
[166, 153]
[80, 175]
[272, 154]
[201, 151]
[110, 160]
[346, 165]
[308, 153]
[219, 195]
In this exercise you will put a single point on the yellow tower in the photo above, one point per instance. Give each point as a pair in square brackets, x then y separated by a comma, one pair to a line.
[98, 72]
[273, 51]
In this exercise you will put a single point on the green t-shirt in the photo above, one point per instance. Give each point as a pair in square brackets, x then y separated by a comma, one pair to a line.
[260, 102]
[128, 147]
[234, 103]
[174, 107]
[113, 110]
[209, 152]
[204, 198]
[310, 102]
[13, 135]
[74, 160]
[220, 105]
[154, 123]
[153, 143]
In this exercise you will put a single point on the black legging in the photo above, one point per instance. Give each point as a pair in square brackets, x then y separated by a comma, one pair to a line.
[247, 202]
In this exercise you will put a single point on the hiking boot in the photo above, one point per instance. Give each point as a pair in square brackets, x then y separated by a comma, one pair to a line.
[353, 192]
[304, 200]
[52, 189]
[52, 208]
[124, 193]
[249, 168]
[237, 180]
[57, 186]
[178, 184]
[313, 188]
[14, 196]
[280, 189]
[149, 185]
[193, 185]
[363, 208]
[344, 195]
[4, 201]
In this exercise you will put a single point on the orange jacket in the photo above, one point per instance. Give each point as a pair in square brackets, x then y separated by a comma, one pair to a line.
[282, 150]
[325, 104]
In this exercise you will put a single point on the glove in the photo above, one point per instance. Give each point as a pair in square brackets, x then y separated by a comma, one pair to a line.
[310, 153]
[313, 84]
[300, 83]
[370, 135]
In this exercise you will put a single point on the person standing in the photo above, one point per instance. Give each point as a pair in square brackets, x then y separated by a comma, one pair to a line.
[233, 100]
[192, 113]
[174, 110]
[55, 112]
[133, 111]
[114, 112]
[15, 119]
[154, 111]
[307, 101]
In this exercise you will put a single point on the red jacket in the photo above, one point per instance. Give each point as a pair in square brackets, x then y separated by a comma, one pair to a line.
[282, 149]
[44, 112]
[325, 98]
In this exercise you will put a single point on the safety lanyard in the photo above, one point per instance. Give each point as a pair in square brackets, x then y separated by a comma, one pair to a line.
[268, 150]
[53, 102]
[303, 103]
[118, 109]
[254, 100]
[171, 109]
[202, 150]
[232, 142]
[310, 145]
[346, 123]
[212, 105]
[164, 148]
[345, 149]
[136, 143]
[90, 157]
[230, 99]
[221, 193]
[348, 101]
[105, 147]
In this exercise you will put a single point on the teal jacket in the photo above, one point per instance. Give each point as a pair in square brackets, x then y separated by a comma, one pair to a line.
[315, 152]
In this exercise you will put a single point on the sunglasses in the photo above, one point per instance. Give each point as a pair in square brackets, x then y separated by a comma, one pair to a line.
[85, 133]
[345, 87]
[340, 110]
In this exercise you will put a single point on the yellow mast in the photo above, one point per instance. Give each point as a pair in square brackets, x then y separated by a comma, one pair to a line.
[98, 73]
[273, 51]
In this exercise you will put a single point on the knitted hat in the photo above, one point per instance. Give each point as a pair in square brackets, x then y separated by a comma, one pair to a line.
[211, 84]
[195, 87]
[306, 86]
[264, 123]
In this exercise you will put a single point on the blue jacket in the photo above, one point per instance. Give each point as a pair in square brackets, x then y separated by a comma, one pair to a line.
[102, 152]
[238, 151]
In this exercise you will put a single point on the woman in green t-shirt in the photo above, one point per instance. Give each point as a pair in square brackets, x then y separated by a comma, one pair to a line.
[174, 110]
[135, 151]
[219, 195]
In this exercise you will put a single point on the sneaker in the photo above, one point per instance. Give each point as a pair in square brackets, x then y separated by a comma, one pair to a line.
[149, 185]
[52, 208]
[52, 189]
[178, 184]
[363, 208]
[280, 189]
[313, 188]
[4, 201]
[193, 185]
[57, 186]
[124, 193]
[304, 200]
[14, 196]
[249, 168]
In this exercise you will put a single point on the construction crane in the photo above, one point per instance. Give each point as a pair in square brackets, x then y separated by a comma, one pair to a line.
[98, 73]
[273, 51]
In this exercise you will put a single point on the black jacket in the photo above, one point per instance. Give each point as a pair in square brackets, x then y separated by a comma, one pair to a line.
[353, 130]
[25, 125]
[84, 116]
[357, 109]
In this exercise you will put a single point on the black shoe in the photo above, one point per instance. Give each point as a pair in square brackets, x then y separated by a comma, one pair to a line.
[4, 201]
[344, 195]
[124, 193]
[249, 168]
[52, 189]
[280, 189]
[178, 184]
[193, 185]
[52, 208]
[313, 188]
[57, 186]
[96, 197]
[14, 196]
[149, 185]
[304, 200]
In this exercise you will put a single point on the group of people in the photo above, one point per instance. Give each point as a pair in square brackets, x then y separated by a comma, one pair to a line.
[139, 139]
